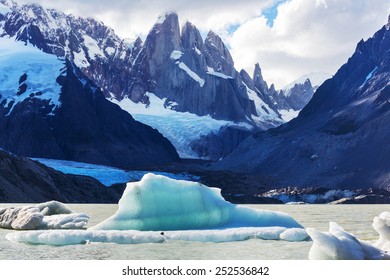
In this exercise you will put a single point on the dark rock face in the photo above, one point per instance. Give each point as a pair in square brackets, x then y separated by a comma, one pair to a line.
[25, 181]
[340, 139]
[218, 145]
[85, 127]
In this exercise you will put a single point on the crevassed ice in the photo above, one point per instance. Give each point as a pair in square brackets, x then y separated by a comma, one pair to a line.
[181, 128]
[42, 70]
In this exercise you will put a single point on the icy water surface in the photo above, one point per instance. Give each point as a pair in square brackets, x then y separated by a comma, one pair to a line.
[356, 219]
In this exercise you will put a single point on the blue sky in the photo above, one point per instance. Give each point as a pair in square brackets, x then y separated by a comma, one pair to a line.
[289, 38]
[271, 13]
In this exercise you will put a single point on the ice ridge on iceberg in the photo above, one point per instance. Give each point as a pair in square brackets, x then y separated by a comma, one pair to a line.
[161, 203]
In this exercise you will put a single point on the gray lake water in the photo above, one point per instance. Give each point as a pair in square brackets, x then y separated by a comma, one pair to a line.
[356, 219]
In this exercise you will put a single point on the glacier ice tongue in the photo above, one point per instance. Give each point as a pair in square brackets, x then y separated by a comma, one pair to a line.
[161, 203]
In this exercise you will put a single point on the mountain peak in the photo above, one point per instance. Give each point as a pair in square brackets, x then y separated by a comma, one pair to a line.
[190, 37]
[388, 23]
[167, 17]
[258, 79]
[218, 56]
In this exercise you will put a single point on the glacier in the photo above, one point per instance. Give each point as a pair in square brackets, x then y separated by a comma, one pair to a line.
[337, 244]
[107, 175]
[161, 203]
[41, 70]
[160, 209]
[181, 128]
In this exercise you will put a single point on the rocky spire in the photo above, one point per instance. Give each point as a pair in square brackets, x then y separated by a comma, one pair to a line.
[190, 37]
[258, 80]
[217, 55]
[161, 41]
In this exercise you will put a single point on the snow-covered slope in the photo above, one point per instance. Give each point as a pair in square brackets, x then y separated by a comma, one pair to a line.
[27, 71]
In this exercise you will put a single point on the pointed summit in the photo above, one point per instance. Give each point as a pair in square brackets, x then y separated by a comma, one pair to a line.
[258, 80]
[388, 23]
[190, 37]
[218, 56]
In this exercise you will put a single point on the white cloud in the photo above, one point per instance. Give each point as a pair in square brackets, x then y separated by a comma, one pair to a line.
[307, 36]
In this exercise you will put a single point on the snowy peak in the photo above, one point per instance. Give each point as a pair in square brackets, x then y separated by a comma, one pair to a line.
[316, 79]
[88, 43]
[166, 31]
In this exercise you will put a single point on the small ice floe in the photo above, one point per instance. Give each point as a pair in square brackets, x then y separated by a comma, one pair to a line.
[74, 237]
[48, 215]
[337, 244]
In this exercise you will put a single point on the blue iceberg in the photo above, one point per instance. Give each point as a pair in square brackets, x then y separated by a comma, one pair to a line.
[160, 203]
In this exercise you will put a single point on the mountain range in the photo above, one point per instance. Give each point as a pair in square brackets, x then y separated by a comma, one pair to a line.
[173, 70]
[71, 89]
[340, 139]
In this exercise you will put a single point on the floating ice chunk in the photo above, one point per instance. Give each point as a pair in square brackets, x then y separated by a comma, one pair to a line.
[25, 217]
[294, 234]
[73, 237]
[48, 215]
[337, 244]
[382, 225]
[161, 203]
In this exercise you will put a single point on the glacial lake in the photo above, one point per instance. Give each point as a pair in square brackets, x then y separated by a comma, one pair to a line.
[356, 219]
